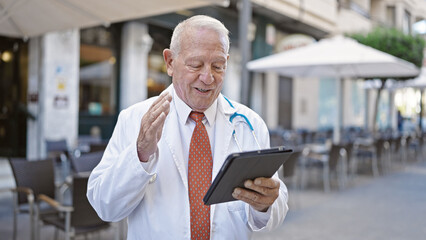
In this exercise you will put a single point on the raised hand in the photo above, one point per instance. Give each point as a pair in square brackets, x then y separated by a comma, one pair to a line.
[152, 126]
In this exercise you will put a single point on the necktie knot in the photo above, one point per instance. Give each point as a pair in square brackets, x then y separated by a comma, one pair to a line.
[196, 116]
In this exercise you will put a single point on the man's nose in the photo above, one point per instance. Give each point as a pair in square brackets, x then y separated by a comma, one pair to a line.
[206, 75]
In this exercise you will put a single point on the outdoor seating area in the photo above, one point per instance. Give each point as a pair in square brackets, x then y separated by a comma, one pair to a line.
[56, 205]
[332, 166]
[52, 192]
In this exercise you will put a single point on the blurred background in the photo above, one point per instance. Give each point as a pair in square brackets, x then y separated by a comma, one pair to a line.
[67, 68]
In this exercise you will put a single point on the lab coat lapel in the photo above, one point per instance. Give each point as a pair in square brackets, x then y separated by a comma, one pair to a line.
[223, 138]
[171, 135]
[223, 133]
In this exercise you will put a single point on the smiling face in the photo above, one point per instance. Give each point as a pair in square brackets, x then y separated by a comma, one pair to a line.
[198, 69]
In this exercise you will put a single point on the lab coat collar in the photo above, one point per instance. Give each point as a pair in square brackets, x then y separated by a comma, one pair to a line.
[183, 110]
[225, 106]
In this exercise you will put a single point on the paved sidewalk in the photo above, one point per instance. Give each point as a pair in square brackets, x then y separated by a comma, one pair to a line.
[390, 207]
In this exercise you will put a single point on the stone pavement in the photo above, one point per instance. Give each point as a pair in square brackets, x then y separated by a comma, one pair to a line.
[390, 207]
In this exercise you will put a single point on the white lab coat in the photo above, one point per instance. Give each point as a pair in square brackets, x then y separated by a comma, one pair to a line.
[156, 201]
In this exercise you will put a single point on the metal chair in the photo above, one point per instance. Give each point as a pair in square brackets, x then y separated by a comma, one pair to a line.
[334, 162]
[383, 153]
[31, 178]
[57, 149]
[289, 169]
[97, 147]
[86, 162]
[366, 150]
[78, 218]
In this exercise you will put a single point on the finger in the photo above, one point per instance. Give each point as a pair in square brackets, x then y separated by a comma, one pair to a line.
[256, 200]
[147, 142]
[266, 182]
[165, 96]
[266, 191]
[158, 103]
[155, 126]
[152, 114]
[161, 124]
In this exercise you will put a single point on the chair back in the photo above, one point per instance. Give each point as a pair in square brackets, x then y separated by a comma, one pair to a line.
[83, 215]
[56, 145]
[276, 138]
[97, 147]
[289, 166]
[38, 175]
[86, 162]
[349, 147]
[57, 149]
[334, 156]
[379, 144]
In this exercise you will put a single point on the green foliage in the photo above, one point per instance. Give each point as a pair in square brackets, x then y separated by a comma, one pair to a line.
[394, 42]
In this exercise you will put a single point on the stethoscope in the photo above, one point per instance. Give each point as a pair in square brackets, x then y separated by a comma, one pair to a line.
[231, 118]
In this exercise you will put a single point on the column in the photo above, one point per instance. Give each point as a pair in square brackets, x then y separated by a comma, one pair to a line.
[272, 99]
[53, 85]
[136, 44]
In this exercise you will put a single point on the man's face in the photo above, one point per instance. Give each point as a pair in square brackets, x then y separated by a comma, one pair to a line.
[198, 69]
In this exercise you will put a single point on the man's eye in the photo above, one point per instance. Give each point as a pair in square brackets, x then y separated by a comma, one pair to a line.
[218, 67]
[195, 66]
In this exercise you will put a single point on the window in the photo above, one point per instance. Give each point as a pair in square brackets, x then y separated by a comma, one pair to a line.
[97, 72]
[390, 16]
[406, 23]
[158, 80]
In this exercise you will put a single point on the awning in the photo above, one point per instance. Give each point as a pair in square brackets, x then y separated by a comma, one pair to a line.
[28, 18]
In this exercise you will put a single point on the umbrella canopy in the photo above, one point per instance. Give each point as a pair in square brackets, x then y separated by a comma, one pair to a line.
[337, 57]
[28, 18]
[418, 82]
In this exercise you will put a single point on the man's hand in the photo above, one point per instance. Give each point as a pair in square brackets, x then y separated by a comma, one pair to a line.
[260, 193]
[152, 126]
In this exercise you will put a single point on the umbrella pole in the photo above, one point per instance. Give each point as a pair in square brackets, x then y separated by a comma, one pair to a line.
[339, 111]
[244, 21]
[421, 111]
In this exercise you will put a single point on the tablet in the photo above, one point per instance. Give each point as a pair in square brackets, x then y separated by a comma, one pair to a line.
[239, 167]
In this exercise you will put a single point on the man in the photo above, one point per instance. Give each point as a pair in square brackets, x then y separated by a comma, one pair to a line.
[149, 172]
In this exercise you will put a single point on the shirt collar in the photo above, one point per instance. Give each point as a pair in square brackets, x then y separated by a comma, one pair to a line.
[183, 110]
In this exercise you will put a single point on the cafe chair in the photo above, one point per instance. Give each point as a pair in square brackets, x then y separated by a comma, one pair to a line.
[79, 217]
[334, 163]
[31, 179]
[289, 169]
[383, 152]
[86, 162]
[97, 147]
[366, 152]
[57, 149]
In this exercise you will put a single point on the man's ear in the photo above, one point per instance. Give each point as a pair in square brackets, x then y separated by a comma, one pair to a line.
[168, 59]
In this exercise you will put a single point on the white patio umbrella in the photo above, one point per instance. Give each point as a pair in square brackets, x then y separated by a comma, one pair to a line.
[418, 82]
[337, 57]
[28, 18]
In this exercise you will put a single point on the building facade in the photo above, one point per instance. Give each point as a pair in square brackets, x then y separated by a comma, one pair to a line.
[78, 80]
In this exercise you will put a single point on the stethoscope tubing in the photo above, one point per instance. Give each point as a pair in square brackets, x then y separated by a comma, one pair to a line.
[247, 121]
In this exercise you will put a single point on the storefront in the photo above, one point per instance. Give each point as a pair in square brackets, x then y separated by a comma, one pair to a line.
[13, 96]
